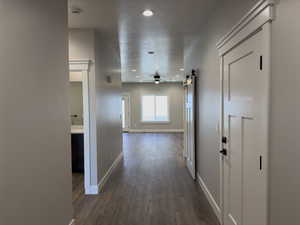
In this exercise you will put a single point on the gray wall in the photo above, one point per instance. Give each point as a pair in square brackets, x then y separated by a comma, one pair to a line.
[174, 91]
[105, 96]
[76, 102]
[108, 103]
[201, 53]
[35, 170]
[285, 120]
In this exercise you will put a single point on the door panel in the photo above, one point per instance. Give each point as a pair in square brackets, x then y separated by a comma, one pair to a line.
[244, 104]
[190, 128]
[235, 181]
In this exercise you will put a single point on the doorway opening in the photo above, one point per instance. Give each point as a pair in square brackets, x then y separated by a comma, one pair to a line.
[77, 133]
[80, 124]
[125, 113]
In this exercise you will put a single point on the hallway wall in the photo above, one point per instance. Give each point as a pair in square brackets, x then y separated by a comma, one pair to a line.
[285, 121]
[76, 102]
[108, 101]
[174, 91]
[35, 170]
[201, 53]
[105, 94]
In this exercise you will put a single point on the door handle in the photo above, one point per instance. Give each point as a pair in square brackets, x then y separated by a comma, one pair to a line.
[223, 151]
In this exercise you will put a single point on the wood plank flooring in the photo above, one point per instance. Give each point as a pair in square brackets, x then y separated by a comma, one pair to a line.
[150, 187]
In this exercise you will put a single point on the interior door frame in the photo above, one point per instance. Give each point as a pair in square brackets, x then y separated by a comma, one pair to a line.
[128, 111]
[260, 17]
[83, 67]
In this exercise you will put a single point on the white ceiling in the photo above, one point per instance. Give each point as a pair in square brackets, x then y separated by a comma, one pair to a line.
[164, 33]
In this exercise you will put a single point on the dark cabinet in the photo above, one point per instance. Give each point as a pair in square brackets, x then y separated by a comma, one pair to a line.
[77, 153]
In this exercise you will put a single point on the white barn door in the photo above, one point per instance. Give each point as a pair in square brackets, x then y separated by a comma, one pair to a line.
[190, 126]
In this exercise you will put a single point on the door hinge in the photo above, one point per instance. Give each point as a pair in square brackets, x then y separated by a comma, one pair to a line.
[261, 63]
[224, 152]
[260, 162]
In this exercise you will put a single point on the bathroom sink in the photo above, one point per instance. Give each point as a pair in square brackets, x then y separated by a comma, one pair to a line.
[77, 129]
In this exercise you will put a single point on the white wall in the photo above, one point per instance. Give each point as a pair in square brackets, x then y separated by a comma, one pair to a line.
[35, 170]
[174, 91]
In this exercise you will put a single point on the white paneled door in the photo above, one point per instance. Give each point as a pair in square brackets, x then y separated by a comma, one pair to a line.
[245, 141]
[190, 127]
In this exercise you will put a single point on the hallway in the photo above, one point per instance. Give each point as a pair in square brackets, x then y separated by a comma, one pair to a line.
[151, 187]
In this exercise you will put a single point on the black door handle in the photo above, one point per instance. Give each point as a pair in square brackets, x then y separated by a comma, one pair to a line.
[224, 140]
[223, 151]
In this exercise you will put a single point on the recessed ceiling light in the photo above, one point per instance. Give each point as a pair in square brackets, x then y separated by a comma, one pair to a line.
[148, 13]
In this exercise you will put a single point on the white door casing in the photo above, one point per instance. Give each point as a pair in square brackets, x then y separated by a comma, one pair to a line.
[126, 113]
[245, 78]
[190, 127]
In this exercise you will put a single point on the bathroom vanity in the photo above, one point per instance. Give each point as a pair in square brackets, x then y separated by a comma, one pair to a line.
[77, 143]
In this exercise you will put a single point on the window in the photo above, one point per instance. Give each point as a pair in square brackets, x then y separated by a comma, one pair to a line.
[155, 108]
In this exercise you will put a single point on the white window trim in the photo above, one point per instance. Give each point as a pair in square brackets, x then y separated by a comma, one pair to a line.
[168, 121]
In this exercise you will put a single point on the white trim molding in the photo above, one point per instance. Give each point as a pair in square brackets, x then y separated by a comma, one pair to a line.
[210, 198]
[109, 172]
[92, 189]
[156, 130]
[79, 65]
[259, 15]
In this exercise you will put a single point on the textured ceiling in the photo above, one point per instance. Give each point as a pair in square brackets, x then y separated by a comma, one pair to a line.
[164, 33]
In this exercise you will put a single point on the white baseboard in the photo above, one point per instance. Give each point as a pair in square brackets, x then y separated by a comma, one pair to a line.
[110, 171]
[92, 190]
[72, 222]
[95, 189]
[156, 131]
[210, 198]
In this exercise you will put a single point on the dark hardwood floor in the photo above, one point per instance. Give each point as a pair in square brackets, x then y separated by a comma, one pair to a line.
[150, 187]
